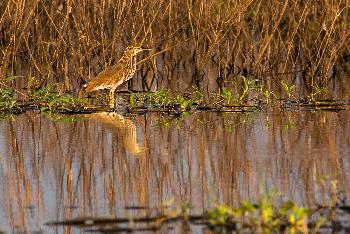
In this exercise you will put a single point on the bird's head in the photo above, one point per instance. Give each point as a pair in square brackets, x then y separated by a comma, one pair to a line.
[134, 50]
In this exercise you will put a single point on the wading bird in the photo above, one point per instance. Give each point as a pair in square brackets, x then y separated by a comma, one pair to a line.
[116, 75]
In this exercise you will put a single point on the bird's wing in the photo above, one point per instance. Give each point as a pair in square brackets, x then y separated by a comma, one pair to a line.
[106, 78]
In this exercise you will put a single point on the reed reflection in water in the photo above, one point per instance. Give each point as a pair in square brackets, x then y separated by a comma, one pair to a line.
[54, 170]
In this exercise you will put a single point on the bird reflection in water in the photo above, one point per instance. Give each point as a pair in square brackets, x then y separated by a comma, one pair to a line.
[125, 128]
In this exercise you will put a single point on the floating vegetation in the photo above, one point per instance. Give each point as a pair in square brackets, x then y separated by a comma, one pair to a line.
[262, 217]
[46, 100]
[163, 101]
[50, 101]
[289, 89]
[252, 96]
[8, 102]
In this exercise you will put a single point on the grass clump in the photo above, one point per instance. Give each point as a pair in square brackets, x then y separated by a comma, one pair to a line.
[157, 99]
[162, 99]
[8, 101]
[264, 217]
[50, 101]
[46, 99]
[288, 89]
[243, 91]
[268, 215]
[247, 87]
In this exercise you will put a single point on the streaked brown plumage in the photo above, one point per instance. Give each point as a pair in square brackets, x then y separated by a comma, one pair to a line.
[117, 74]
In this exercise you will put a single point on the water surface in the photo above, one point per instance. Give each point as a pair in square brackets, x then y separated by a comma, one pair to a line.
[97, 166]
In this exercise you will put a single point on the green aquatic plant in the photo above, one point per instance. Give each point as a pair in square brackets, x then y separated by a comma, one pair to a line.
[264, 216]
[51, 101]
[133, 100]
[159, 98]
[226, 94]
[188, 101]
[8, 101]
[46, 99]
[170, 209]
[198, 96]
[162, 99]
[267, 215]
[267, 94]
[289, 89]
[33, 85]
[184, 103]
[266, 212]
[221, 215]
[295, 216]
[319, 90]
[248, 86]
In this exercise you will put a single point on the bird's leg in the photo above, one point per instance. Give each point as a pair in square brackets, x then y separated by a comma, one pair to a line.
[111, 98]
[129, 85]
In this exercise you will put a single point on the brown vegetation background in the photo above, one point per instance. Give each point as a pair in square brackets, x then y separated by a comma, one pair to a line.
[69, 41]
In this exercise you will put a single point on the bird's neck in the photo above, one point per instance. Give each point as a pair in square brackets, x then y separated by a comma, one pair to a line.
[128, 62]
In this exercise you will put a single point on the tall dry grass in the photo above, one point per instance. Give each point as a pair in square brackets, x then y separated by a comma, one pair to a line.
[69, 41]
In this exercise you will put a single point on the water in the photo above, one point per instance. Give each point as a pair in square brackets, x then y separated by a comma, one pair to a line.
[102, 163]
